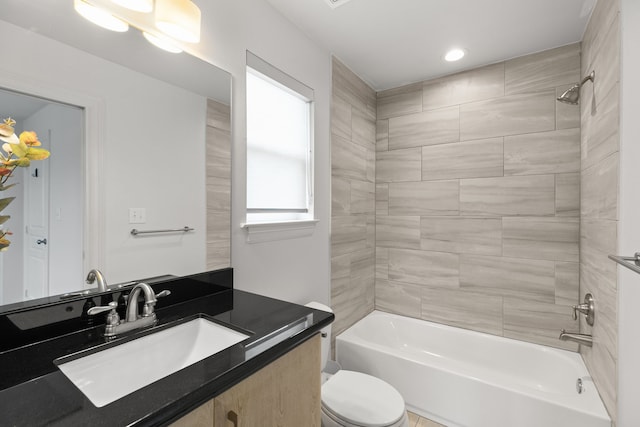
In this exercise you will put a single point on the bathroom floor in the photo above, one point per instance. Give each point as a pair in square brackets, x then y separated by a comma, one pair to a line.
[418, 421]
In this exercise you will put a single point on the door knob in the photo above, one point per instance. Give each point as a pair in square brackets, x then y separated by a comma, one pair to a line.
[41, 241]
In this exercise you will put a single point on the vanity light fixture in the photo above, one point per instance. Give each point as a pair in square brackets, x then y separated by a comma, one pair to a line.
[454, 55]
[144, 6]
[99, 16]
[161, 42]
[179, 19]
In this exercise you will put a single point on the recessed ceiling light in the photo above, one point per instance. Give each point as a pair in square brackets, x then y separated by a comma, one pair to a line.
[99, 16]
[454, 55]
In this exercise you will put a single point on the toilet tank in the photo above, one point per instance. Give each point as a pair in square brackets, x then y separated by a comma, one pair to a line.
[326, 333]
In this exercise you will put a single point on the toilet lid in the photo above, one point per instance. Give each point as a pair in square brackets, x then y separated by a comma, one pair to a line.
[362, 399]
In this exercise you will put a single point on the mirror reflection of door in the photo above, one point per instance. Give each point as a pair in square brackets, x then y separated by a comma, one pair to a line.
[47, 216]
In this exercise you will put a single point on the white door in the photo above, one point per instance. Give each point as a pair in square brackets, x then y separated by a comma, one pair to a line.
[36, 193]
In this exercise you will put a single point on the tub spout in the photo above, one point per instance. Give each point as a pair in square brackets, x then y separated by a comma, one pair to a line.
[579, 338]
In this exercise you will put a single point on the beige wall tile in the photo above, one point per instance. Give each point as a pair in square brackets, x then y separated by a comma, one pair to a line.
[353, 89]
[340, 196]
[555, 239]
[218, 153]
[538, 323]
[382, 263]
[424, 198]
[599, 189]
[542, 153]
[348, 234]
[509, 115]
[515, 195]
[462, 308]
[219, 194]
[475, 85]
[568, 194]
[567, 283]
[423, 268]
[363, 197]
[382, 199]
[348, 160]
[399, 165]
[400, 101]
[606, 63]
[600, 136]
[473, 159]
[398, 298]
[482, 236]
[604, 14]
[426, 128]
[363, 130]
[543, 70]
[340, 117]
[398, 232]
[218, 115]
[382, 135]
[521, 278]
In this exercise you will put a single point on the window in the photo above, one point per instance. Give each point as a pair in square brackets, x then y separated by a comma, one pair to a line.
[279, 145]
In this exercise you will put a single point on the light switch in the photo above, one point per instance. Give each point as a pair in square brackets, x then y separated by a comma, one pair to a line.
[137, 215]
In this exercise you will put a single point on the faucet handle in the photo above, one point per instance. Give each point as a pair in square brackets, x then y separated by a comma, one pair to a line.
[163, 293]
[100, 309]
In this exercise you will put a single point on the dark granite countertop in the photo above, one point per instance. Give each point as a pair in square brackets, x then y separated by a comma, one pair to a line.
[36, 393]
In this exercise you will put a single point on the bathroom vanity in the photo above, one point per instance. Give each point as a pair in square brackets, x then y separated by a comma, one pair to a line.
[272, 375]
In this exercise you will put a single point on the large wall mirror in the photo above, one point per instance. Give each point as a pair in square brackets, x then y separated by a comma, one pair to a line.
[139, 139]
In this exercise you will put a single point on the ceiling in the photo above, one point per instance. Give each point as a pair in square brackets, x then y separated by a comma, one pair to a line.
[389, 43]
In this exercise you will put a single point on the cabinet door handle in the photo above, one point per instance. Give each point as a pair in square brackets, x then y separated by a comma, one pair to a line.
[233, 417]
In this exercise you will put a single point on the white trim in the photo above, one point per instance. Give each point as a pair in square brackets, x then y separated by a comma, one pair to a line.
[255, 63]
[94, 119]
[271, 231]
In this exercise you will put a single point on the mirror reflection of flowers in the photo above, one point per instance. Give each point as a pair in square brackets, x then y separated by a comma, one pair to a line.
[18, 152]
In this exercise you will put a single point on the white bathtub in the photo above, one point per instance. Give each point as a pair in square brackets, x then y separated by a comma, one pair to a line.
[462, 378]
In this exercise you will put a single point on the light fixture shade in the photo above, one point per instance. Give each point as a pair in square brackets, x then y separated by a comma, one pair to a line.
[179, 19]
[99, 16]
[161, 42]
[144, 6]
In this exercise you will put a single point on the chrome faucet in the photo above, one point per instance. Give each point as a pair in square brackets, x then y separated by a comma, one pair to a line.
[582, 339]
[133, 320]
[96, 276]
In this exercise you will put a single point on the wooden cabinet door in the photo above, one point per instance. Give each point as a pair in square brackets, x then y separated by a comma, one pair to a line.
[285, 393]
[201, 417]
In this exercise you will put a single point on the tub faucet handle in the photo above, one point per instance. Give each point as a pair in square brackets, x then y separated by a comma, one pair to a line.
[587, 308]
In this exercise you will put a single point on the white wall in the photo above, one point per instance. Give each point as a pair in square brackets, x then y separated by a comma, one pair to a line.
[152, 136]
[629, 225]
[296, 270]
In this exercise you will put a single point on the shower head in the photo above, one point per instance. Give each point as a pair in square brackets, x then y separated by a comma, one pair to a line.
[572, 95]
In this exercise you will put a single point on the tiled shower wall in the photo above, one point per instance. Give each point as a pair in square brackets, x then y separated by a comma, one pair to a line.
[353, 138]
[600, 108]
[218, 165]
[477, 198]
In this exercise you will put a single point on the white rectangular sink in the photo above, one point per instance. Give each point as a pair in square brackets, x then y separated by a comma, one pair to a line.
[111, 374]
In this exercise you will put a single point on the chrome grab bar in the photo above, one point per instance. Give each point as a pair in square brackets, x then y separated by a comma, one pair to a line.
[185, 229]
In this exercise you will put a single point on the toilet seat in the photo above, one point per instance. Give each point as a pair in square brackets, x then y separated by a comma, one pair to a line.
[355, 399]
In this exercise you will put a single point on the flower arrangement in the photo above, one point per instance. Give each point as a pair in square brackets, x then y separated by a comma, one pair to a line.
[18, 152]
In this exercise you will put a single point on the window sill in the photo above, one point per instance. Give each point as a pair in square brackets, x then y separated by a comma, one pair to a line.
[270, 231]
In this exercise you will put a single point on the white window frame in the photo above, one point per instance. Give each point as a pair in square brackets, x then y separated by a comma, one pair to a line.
[263, 225]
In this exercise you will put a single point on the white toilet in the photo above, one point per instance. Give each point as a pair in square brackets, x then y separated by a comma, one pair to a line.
[354, 399]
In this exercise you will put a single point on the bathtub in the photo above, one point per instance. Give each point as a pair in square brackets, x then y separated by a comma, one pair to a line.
[462, 378]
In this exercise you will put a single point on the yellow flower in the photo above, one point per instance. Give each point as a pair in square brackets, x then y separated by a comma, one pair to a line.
[30, 138]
